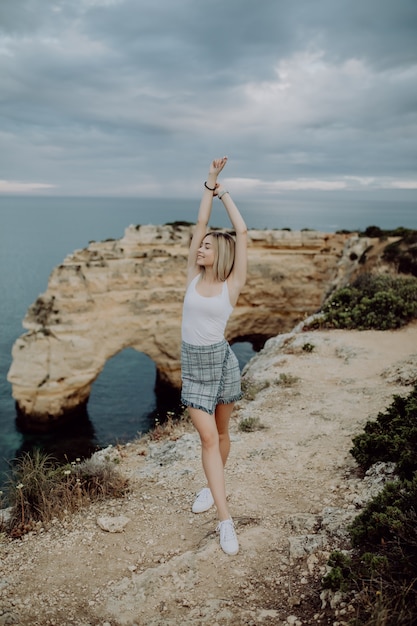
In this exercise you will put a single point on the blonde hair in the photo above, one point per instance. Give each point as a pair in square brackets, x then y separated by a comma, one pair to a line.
[224, 254]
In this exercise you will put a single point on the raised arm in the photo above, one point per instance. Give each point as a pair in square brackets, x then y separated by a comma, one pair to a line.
[237, 277]
[203, 218]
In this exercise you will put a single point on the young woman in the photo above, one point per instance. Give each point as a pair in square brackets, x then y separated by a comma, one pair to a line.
[210, 370]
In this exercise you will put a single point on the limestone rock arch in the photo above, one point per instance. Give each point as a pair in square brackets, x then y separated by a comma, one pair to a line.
[128, 293]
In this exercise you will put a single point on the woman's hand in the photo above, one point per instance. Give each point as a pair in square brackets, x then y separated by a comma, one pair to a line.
[216, 166]
[217, 189]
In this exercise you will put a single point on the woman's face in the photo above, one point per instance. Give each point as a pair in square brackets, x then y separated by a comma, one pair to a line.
[205, 253]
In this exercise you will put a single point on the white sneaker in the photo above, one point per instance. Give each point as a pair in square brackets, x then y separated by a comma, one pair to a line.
[203, 502]
[228, 539]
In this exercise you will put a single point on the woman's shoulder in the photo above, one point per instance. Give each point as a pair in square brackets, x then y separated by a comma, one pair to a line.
[192, 278]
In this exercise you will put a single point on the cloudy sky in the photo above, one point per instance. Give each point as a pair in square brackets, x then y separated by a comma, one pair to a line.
[134, 97]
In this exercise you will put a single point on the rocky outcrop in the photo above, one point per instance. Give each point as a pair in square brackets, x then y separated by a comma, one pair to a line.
[128, 293]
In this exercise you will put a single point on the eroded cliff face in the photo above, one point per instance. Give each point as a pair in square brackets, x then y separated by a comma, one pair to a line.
[129, 292]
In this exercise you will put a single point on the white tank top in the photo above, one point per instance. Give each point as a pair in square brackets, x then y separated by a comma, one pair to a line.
[204, 319]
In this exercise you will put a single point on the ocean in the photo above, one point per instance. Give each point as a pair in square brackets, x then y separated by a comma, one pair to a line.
[36, 233]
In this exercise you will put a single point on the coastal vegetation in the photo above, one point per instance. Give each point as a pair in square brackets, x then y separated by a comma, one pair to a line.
[179, 224]
[251, 388]
[372, 301]
[377, 301]
[401, 253]
[308, 347]
[39, 489]
[381, 569]
[250, 424]
[287, 380]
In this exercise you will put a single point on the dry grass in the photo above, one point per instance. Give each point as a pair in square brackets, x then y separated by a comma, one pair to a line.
[287, 380]
[40, 490]
[250, 424]
[251, 388]
[172, 427]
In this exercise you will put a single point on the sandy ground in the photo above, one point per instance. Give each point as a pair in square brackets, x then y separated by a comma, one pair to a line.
[293, 486]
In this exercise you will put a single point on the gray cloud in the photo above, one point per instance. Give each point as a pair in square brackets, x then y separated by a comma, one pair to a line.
[134, 97]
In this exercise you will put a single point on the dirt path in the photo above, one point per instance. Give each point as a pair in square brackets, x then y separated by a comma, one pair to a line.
[292, 488]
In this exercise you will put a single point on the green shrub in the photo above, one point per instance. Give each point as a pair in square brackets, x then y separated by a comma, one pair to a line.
[308, 347]
[383, 564]
[385, 538]
[376, 231]
[391, 437]
[387, 517]
[403, 253]
[373, 232]
[179, 223]
[373, 565]
[341, 575]
[372, 302]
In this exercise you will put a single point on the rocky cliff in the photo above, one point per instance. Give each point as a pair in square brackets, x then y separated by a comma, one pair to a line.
[128, 293]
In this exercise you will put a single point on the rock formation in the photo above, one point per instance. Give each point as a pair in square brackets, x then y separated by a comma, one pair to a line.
[128, 293]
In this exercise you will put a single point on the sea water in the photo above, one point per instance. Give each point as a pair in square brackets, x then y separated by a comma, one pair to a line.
[37, 233]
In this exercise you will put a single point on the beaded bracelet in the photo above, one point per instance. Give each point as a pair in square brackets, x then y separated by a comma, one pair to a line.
[221, 194]
[209, 188]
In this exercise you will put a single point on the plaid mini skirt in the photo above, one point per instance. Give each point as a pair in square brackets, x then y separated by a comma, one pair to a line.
[210, 376]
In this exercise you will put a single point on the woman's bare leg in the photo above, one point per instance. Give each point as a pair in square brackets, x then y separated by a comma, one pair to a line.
[222, 417]
[211, 458]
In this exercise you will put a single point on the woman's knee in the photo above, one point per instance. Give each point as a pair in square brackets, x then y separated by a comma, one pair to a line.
[206, 427]
[224, 437]
[209, 439]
